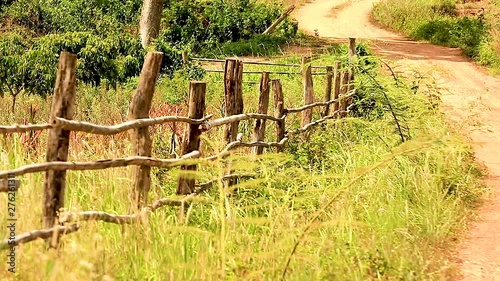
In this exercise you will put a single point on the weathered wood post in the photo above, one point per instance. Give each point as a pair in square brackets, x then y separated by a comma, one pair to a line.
[233, 76]
[184, 58]
[352, 56]
[328, 90]
[337, 80]
[260, 124]
[192, 133]
[279, 110]
[352, 49]
[350, 87]
[233, 91]
[343, 93]
[141, 141]
[308, 90]
[63, 105]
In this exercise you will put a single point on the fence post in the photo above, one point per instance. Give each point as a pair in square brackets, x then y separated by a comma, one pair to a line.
[308, 90]
[328, 90]
[184, 58]
[337, 80]
[279, 110]
[233, 74]
[63, 105]
[260, 124]
[343, 91]
[233, 77]
[351, 85]
[192, 133]
[352, 49]
[141, 141]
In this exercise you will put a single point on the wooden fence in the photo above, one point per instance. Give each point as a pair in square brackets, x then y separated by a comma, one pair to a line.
[337, 101]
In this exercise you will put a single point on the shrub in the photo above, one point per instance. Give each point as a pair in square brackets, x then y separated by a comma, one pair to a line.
[208, 23]
[435, 21]
[55, 16]
[465, 33]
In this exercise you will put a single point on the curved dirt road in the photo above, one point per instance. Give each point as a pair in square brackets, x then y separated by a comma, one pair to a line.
[471, 97]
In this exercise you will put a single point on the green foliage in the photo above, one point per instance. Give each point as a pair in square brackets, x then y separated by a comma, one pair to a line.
[208, 23]
[384, 211]
[32, 67]
[55, 16]
[465, 33]
[258, 45]
[435, 21]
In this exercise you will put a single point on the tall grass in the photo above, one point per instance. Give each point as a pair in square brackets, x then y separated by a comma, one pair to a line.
[364, 206]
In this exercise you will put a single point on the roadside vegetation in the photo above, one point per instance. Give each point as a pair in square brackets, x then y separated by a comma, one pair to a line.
[361, 204]
[381, 195]
[104, 36]
[448, 22]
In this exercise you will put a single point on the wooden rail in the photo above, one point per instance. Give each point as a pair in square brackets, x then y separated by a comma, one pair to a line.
[339, 92]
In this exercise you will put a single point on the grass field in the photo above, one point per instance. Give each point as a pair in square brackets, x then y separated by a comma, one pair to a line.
[447, 22]
[359, 204]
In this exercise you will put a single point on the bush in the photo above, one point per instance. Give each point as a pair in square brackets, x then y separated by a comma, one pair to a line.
[32, 67]
[55, 16]
[465, 33]
[259, 45]
[205, 24]
[435, 21]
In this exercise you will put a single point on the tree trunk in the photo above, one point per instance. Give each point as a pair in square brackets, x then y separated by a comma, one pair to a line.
[149, 26]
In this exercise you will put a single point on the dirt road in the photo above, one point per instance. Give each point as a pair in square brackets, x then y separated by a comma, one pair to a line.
[471, 97]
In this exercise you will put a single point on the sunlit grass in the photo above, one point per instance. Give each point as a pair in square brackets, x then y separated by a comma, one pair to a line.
[394, 222]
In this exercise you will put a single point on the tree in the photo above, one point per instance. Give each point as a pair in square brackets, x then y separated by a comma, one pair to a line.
[149, 25]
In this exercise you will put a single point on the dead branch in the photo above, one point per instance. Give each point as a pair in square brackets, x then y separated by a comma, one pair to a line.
[239, 143]
[100, 164]
[24, 128]
[235, 118]
[38, 234]
[324, 103]
[4, 185]
[314, 123]
[72, 125]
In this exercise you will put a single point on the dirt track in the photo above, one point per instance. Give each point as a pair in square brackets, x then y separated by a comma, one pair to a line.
[471, 97]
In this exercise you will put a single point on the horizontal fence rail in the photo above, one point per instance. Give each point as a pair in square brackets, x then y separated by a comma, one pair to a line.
[339, 93]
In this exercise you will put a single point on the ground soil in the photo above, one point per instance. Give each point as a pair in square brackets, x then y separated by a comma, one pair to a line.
[470, 98]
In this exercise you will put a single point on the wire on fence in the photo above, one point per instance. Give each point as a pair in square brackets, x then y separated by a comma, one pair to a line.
[257, 63]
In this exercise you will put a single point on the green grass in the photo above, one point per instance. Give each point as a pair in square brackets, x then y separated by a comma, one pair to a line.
[359, 204]
[438, 22]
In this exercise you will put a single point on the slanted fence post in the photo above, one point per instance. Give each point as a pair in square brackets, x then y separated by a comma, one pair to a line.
[63, 105]
[192, 133]
[260, 124]
[337, 80]
[141, 141]
[328, 90]
[279, 110]
[308, 90]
